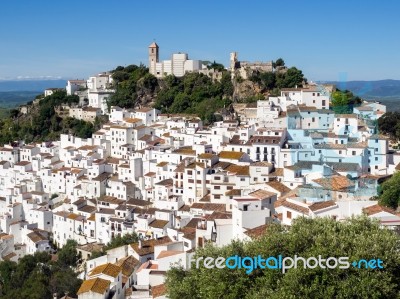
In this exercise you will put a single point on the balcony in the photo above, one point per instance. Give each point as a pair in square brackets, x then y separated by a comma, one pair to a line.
[202, 224]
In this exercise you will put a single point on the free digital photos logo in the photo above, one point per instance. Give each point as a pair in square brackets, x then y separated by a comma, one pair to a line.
[283, 263]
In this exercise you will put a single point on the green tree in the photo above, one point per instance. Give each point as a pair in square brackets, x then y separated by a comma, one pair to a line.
[356, 238]
[279, 62]
[390, 192]
[7, 268]
[120, 241]
[67, 255]
[216, 66]
[388, 123]
[291, 78]
[65, 281]
[344, 101]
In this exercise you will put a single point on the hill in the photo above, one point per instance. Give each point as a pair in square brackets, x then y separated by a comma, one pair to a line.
[44, 122]
[12, 99]
[385, 91]
[196, 93]
[372, 89]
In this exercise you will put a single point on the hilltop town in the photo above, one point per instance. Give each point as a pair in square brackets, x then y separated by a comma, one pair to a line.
[179, 184]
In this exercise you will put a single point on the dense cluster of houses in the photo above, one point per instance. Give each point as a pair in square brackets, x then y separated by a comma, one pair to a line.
[179, 184]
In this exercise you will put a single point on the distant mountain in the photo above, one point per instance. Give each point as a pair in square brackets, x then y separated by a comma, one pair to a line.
[385, 91]
[31, 85]
[371, 89]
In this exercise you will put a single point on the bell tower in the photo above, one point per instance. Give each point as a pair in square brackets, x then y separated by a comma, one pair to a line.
[153, 58]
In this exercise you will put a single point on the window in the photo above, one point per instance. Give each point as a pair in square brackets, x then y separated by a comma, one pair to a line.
[242, 179]
[190, 172]
[217, 187]
[353, 153]
[217, 178]
[289, 215]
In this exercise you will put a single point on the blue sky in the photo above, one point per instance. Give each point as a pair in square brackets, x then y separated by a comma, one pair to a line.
[328, 40]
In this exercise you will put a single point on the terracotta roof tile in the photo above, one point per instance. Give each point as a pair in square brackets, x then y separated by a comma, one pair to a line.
[148, 245]
[375, 209]
[96, 285]
[292, 206]
[159, 290]
[230, 155]
[107, 269]
[322, 205]
[257, 231]
[159, 223]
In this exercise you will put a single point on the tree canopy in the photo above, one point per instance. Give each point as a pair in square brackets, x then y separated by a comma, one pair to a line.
[43, 123]
[389, 123]
[269, 81]
[194, 94]
[356, 238]
[344, 101]
[131, 82]
[390, 192]
[38, 277]
[116, 242]
[279, 62]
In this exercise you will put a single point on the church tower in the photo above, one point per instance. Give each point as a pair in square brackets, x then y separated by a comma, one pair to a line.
[153, 58]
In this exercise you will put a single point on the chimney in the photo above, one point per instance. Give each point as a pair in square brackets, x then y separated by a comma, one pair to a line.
[140, 244]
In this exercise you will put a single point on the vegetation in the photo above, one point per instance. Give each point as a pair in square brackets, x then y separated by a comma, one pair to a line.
[131, 82]
[195, 94]
[344, 101]
[269, 81]
[216, 66]
[389, 124]
[12, 99]
[43, 123]
[389, 192]
[279, 63]
[38, 277]
[356, 238]
[116, 242]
